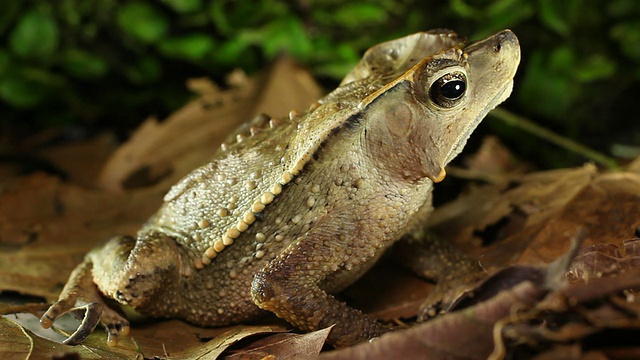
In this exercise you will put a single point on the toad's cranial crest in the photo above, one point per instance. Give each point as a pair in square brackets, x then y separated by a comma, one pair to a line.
[292, 210]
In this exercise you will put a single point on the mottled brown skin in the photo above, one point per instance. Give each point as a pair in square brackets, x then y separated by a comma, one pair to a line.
[290, 211]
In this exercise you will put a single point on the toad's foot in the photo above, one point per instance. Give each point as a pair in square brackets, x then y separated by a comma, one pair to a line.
[450, 288]
[81, 294]
[432, 257]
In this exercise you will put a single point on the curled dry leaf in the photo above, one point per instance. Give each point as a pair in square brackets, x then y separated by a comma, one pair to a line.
[530, 219]
[457, 335]
[215, 347]
[18, 343]
[172, 340]
[497, 297]
[283, 346]
[602, 315]
[599, 260]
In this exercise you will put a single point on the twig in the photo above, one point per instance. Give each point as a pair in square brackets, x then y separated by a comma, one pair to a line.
[522, 123]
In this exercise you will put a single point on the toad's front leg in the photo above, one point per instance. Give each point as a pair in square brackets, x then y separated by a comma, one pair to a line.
[80, 293]
[290, 287]
[125, 269]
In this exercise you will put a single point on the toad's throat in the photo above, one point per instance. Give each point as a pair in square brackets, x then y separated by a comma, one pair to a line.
[462, 139]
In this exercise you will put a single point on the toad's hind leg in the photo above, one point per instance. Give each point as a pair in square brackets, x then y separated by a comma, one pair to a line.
[82, 294]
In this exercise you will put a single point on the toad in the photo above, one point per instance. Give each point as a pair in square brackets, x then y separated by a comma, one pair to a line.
[290, 211]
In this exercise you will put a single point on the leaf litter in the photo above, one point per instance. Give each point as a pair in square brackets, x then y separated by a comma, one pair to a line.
[516, 222]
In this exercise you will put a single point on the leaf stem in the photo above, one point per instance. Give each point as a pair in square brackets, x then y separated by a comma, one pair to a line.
[529, 126]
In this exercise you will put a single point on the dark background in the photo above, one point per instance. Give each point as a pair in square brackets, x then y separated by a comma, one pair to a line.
[82, 67]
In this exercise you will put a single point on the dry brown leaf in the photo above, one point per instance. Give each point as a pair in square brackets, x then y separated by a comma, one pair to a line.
[81, 161]
[600, 315]
[493, 162]
[531, 220]
[162, 338]
[459, 335]
[19, 343]
[533, 313]
[170, 339]
[284, 346]
[166, 151]
[388, 292]
[47, 225]
[606, 259]
[494, 157]
[215, 347]
[546, 197]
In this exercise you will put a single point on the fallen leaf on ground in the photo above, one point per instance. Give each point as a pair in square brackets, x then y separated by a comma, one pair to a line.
[170, 339]
[506, 218]
[215, 347]
[284, 346]
[465, 334]
[168, 150]
[47, 224]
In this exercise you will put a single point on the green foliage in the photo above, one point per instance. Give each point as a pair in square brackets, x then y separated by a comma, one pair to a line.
[189, 47]
[493, 15]
[143, 21]
[35, 36]
[354, 14]
[81, 64]
[25, 88]
[115, 62]
[184, 6]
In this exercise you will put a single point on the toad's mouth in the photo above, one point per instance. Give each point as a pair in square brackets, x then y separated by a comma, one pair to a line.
[502, 95]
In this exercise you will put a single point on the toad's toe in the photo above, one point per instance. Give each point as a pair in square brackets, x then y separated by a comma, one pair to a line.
[80, 295]
[115, 330]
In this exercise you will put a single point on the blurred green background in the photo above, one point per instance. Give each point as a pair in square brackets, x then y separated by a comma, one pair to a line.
[86, 66]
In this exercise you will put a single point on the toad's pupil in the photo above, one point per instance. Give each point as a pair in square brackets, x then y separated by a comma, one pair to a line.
[453, 89]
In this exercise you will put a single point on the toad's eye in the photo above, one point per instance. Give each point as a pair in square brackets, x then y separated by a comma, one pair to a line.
[447, 90]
